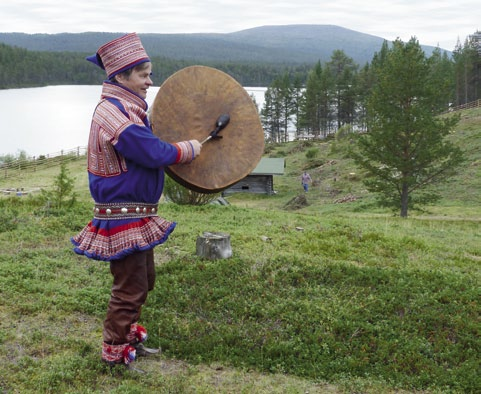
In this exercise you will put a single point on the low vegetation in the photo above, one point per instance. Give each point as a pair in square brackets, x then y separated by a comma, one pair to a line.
[335, 295]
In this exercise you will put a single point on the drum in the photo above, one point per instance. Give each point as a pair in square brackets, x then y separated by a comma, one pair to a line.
[188, 106]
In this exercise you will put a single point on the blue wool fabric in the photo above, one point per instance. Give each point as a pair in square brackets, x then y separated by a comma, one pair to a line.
[126, 164]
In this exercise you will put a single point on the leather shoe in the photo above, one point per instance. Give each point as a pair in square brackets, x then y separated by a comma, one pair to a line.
[142, 351]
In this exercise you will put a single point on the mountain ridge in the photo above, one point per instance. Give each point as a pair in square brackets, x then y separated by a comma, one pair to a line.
[276, 44]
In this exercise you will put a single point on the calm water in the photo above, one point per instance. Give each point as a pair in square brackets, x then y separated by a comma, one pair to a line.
[45, 121]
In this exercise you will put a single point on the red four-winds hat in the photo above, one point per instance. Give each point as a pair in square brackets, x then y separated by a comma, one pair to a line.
[120, 54]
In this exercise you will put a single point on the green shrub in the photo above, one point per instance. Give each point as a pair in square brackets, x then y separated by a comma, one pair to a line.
[8, 220]
[312, 153]
[179, 194]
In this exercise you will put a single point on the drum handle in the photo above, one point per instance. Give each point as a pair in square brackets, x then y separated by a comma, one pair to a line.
[220, 123]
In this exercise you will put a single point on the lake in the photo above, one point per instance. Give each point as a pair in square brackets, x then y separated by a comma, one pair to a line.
[51, 119]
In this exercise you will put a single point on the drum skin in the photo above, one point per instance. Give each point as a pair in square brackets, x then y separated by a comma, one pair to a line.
[187, 107]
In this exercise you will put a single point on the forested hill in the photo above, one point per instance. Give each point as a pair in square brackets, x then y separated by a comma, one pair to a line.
[288, 44]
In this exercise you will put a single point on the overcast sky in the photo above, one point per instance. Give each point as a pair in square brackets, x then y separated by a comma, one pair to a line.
[432, 22]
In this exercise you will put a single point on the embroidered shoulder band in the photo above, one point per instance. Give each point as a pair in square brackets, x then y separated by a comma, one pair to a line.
[128, 210]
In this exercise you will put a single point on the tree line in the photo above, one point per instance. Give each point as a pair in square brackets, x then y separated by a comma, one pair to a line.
[334, 94]
[20, 68]
[340, 80]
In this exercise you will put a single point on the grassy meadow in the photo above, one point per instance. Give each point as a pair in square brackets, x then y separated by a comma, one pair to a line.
[332, 296]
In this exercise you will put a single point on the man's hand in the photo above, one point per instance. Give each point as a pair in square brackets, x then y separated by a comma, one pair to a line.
[196, 146]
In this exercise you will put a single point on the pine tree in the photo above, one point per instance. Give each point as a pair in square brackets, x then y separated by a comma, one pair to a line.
[406, 148]
[467, 72]
[310, 118]
[344, 71]
[297, 102]
[442, 78]
[317, 109]
[279, 108]
[270, 115]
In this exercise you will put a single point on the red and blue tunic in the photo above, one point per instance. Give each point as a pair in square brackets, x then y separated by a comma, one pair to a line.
[126, 177]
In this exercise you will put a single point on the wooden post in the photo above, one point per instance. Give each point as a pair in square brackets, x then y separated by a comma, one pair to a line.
[213, 246]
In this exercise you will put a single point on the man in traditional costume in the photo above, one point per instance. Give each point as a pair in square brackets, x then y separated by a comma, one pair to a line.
[126, 177]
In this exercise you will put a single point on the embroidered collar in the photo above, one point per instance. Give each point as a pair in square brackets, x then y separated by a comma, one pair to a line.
[112, 90]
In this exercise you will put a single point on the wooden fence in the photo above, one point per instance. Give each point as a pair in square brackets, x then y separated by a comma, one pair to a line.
[20, 166]
[470, 105]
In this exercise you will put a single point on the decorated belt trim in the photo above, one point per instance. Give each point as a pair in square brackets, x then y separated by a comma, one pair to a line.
[124, 210]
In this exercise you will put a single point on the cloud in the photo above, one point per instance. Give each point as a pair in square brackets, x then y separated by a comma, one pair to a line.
[431, 21]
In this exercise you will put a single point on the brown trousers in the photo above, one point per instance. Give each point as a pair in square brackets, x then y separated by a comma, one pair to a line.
[133, 278]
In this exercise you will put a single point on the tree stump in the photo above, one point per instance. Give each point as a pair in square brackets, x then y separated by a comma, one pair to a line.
[213, 246]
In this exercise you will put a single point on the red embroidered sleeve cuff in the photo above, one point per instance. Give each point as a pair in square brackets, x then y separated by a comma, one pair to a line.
[185, 152]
